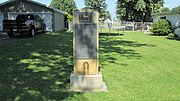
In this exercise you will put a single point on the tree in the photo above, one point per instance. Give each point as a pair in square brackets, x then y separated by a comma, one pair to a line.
[137, 10]
[98, 5]
[176, 9]
[165, 9]
[65, 5]
[107, 15]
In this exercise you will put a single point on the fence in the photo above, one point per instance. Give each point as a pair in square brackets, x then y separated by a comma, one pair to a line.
[135, 26]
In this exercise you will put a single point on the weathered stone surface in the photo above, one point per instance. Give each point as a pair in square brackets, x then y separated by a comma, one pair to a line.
[86, 75]
[83, 83]
[85, 40]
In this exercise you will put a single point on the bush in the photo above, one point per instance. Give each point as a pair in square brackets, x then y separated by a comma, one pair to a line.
[162, 27]
[171, 35]
[69, 17]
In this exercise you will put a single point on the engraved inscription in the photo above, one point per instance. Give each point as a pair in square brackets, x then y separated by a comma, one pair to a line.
[86, 41]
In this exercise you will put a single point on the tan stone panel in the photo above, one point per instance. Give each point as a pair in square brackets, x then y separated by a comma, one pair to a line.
[95, 17]
[86, 66]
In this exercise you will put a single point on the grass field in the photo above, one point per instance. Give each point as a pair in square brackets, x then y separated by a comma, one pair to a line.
[135, 66]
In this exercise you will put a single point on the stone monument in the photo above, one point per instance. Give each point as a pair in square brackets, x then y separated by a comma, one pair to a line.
[86, 75]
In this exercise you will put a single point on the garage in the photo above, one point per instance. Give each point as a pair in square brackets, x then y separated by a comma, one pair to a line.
[1, 19]
[54, 19]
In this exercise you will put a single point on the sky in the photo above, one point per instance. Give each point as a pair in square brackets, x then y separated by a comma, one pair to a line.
[111, 4]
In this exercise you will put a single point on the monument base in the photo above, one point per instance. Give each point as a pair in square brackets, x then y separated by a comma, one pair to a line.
[83, 83]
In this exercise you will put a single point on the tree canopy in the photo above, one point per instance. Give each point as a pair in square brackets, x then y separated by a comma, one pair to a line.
[107, 15]
[176, 9]
[98, 5]
[65, 5]
[137, 10]
[165, 9]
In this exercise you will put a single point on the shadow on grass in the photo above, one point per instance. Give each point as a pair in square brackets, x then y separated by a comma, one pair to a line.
[170, 38]
[173, 38]
[152, 34]
[111, 48]
[111, 34]
[37, 68]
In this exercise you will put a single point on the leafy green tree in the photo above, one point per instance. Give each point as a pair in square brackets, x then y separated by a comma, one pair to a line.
[65, 5]
[165, 9]
[107, 15]
[98, 5]
[137, 10]
[176, 9]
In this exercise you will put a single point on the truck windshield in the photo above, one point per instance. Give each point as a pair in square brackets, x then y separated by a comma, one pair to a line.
[27, 17]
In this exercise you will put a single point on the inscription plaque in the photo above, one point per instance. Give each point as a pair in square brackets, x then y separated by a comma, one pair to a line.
[85, 17]
[86, 45]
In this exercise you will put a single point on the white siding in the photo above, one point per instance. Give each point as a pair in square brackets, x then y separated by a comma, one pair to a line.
[156, 18]
[177, 31]
[59, 21]
[173, 18]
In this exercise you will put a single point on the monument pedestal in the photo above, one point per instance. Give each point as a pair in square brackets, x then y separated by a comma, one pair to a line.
[83, 83]
[86, 76]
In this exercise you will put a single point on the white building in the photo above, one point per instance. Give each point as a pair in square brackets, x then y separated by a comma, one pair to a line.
[173, 17]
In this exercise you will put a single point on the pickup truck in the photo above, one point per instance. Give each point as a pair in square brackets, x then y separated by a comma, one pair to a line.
[24, 23]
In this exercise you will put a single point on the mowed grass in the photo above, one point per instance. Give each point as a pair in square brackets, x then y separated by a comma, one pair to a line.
[135, 66]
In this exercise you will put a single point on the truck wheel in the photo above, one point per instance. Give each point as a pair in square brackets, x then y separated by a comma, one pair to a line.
[32, 32]
[11, 34]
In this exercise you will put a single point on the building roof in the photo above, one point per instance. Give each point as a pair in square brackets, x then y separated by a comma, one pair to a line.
[37, 3]
[165, 13]
[57, 10]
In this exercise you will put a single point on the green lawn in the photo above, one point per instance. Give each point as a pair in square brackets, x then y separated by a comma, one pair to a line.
[135, 66]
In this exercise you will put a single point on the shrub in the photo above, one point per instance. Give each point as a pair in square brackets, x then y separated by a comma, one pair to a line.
[69, 17]
[162, 27]
[171, 35]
